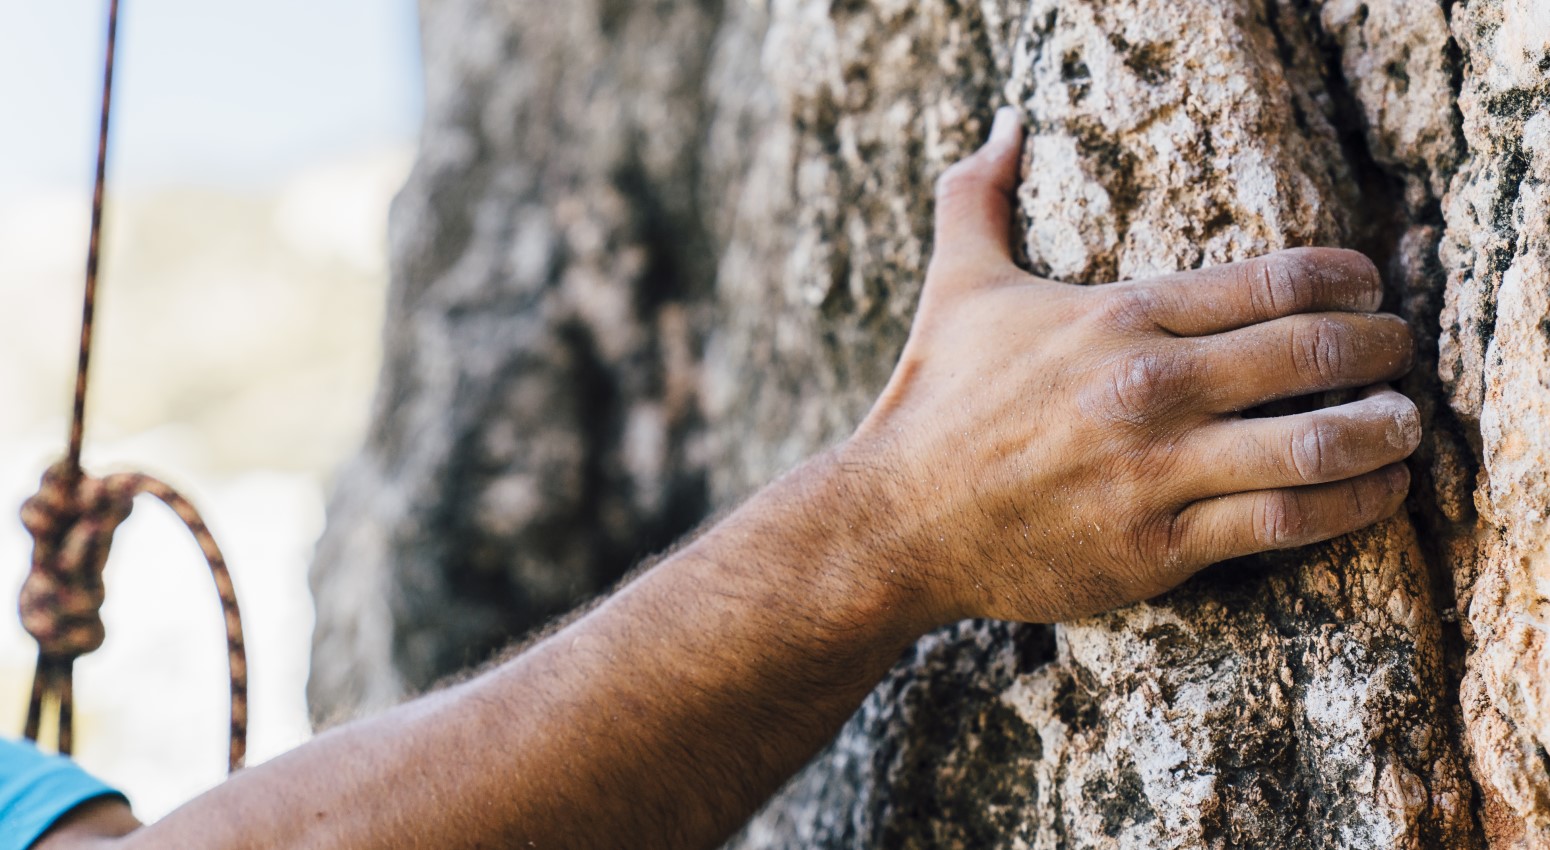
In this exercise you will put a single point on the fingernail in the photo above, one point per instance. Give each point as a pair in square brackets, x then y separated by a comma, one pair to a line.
[1397, 477]
[1004, 127]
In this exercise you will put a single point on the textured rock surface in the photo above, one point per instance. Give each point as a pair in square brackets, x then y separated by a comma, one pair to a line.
[654, 253]
[1275, 704]
[533, 431]
[1496, 361]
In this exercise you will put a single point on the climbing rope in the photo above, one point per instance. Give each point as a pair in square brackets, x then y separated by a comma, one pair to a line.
[72, 519]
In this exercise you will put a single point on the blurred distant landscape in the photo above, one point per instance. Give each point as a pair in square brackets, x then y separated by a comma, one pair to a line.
[237, 351]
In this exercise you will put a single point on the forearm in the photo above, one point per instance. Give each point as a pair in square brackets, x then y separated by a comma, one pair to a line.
[1042, 452]
[94, 825]
[667, 714]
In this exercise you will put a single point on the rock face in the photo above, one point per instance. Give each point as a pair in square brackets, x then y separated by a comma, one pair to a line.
[654, 253]
[536, 422]
[1496, 368]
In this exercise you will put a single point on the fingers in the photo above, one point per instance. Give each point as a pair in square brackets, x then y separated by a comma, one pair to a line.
[1317, 447]
[1285, 283]
[1245, 523]
[974, 197]
[1298, 355]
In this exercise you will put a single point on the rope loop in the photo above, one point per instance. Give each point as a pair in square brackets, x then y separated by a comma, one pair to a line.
[72, 519]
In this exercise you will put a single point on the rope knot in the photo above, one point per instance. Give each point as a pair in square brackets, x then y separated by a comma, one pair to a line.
[71, 519]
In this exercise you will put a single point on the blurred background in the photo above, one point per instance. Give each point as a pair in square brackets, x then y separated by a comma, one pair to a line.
[256, 147]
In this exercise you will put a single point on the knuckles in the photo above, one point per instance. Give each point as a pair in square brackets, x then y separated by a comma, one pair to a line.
[1275, 283]
[1322, 350]
[1297, 279]
[1313, 452]
[1280, 520]
[1137, 387]
[1124, 307]
[1159, 543]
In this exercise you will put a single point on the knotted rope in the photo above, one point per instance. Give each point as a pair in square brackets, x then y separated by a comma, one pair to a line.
[72, 526]
[72, 519]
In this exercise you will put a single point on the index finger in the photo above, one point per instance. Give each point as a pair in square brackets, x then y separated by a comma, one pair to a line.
[1284, 283]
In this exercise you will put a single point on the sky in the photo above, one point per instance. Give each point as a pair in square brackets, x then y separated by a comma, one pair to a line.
[207, 92]
[255, 148]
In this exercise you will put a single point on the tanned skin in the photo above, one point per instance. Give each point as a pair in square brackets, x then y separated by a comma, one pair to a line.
[1042, 452]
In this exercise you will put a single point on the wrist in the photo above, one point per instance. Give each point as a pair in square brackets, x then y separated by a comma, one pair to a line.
[895, 531]
[835, 530]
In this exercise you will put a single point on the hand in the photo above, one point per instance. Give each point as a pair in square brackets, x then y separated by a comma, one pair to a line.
[1052, 451]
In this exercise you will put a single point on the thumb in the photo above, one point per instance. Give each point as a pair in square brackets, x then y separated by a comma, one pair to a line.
[974, 197]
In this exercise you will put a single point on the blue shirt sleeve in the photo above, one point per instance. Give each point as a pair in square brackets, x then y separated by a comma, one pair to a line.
[36, 790]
